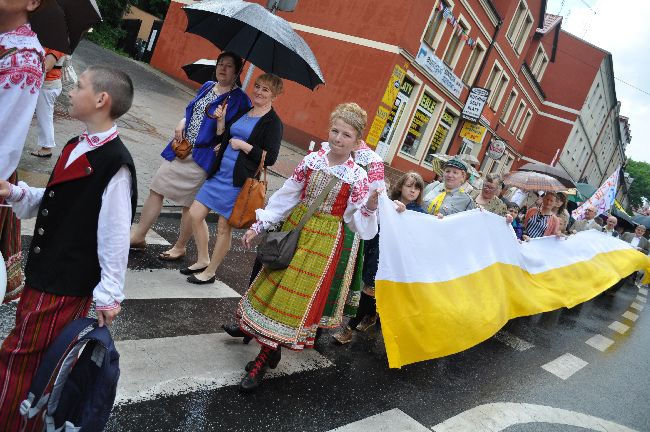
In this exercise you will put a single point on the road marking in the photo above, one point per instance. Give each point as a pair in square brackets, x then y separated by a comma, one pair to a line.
[641, 299]
[499, 416]
[619, 327]
[637, 306]
[600, 342]
[565, 365]
[167, 284]
[387, 421]
[643, 291]
[153, 238]
[152, 368]
[513, 341]
[630, 315]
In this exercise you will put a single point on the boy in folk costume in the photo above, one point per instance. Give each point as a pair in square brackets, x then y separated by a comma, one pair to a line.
[21, 77]
[80, 245]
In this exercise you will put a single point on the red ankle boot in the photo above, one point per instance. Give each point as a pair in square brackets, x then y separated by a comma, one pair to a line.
[267, 358]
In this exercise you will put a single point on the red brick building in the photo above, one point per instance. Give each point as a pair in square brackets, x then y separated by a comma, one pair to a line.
[411, 64]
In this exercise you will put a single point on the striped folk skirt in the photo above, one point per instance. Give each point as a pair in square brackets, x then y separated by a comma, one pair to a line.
[285, 307]
[40, 317]
[10, 247]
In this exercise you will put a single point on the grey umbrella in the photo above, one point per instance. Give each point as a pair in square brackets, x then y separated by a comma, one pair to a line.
[60, 24]
[257, 35]
[553, 171]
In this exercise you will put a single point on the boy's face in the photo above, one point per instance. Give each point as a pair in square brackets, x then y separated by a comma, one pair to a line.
[83, 99]
[514, 212]
[18, 6]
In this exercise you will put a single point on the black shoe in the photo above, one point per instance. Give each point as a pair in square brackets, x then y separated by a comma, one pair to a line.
[261, 365]
[188, 271]
[274, 359]
[234, 331]
[193, 279]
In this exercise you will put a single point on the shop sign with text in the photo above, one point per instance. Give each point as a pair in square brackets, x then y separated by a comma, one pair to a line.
[439, 70]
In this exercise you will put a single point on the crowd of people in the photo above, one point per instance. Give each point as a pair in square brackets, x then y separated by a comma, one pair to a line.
[84, 215]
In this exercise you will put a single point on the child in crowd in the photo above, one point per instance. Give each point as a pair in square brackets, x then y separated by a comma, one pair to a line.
[21, 77]
[513, 210]
[79, 250]
[407, 191]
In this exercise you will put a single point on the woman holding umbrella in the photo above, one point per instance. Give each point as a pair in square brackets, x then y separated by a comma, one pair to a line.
[543, 221]
[179, 178]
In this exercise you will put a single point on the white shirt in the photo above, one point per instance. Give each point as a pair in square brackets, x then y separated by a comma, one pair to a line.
[21, 77]
[113, 227]
[635, 241]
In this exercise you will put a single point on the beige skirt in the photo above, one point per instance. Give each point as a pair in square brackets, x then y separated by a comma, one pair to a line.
[179, 180]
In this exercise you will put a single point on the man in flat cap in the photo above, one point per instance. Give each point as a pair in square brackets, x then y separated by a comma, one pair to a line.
[448, 197]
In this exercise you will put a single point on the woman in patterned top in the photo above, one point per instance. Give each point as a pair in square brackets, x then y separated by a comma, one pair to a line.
[542, 222]
[285, 307]
[180, 179]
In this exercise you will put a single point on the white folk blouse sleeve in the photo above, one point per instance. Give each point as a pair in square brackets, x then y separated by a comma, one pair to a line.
[357, 216]
[25, 200]
[282, 201]
[113, 240]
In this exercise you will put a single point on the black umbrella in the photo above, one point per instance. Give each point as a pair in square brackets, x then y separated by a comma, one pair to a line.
[201, 70]
[60, 24]
[257, 35]
[642, 220]
[555, 172]
[623, 219]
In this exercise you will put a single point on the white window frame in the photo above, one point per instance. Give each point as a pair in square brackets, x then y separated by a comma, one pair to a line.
[502, 90]
[509, 105]
[524, 125]
[516, 20]
[459, 45]
[521, 108]
[440, 30]
[538, 66]
[522, 34]
[477, 64]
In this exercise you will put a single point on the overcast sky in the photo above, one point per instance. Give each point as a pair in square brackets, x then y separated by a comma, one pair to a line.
[620, 27]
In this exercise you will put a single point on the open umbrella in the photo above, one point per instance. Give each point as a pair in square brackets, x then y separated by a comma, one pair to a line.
[642, 220]
[256, 35]
[553, 171]
[60, 24]
[583, 192]
[533, 181]
[201, 70]
[470, 159]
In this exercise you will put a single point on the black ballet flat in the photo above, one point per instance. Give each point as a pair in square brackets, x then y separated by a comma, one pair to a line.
[188, 271]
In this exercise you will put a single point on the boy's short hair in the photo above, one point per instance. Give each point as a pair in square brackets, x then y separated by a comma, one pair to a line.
[117, 84]
[513, 206]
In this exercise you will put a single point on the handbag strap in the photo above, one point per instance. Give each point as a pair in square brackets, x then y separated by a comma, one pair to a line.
[261, 168]
[317, 202]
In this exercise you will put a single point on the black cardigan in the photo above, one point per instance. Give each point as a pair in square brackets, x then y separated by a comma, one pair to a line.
[266, 135]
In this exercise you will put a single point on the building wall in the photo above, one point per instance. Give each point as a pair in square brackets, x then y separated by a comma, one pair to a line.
[146, 18]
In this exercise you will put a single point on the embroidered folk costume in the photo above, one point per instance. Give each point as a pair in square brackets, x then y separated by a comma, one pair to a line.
[286, 307]
[78, 253]
[21, 77]
[347, 284]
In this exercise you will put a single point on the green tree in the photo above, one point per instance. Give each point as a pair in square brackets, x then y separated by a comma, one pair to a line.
[640, 187]
[108, 32]
[154, 7]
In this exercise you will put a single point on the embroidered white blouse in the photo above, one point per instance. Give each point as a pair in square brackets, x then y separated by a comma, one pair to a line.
[371, 161]
[113, 226]
[356, 215]
[21, 77]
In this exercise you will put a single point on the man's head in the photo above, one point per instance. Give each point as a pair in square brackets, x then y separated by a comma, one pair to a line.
[639, 230]
[611, 223]
[101, 90]
[454, 173]
[590, 212]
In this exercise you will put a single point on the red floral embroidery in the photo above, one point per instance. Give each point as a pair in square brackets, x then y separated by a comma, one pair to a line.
[376, 172]
[299, 172]
[359, 191]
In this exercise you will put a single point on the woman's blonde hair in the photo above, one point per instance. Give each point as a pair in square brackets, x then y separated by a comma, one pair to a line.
[396, 189]
[274, 82]
[352, 114]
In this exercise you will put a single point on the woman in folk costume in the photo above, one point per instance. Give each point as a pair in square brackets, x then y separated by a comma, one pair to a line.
[285, 307]
[345, 291]
[21, 77]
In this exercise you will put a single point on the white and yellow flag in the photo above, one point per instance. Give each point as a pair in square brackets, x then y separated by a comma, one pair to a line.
[446, 285]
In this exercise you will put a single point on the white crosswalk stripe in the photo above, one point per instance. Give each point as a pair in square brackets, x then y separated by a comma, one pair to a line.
[565, 365]
[600, 342]
[152, 368]
[387, 421]
[619, 327]
[166, 284]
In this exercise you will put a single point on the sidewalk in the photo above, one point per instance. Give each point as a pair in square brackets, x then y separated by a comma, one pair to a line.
[158, 105]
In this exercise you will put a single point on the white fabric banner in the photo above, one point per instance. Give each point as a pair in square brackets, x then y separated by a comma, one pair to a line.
[602, 199]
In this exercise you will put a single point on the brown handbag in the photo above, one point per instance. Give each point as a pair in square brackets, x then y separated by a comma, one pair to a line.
[181, 148]
[252, 196]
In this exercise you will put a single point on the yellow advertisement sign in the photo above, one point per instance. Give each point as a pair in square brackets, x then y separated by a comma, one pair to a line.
[473, 132]
[377, 126]
[394, 84]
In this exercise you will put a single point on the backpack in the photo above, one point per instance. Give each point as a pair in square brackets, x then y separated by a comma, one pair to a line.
[85, 386]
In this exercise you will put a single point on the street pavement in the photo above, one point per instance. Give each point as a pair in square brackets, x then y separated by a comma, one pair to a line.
[569, 370]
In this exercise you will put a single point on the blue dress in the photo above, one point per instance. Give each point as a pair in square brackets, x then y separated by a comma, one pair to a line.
[218, 193]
